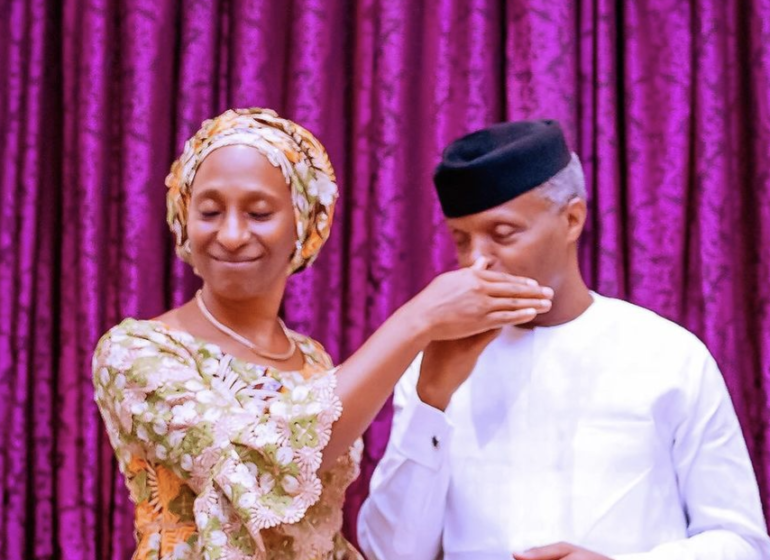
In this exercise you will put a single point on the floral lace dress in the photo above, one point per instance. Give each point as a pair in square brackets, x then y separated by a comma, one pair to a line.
[221, 456]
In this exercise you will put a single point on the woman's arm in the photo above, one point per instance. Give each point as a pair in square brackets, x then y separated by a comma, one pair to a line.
[455, 305]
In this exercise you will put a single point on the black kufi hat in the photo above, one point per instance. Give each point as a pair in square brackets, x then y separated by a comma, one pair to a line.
[494, 165]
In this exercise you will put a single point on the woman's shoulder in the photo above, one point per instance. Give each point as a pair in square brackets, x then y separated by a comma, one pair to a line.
[145, 355]
[312, 349]
[134, 338]
[151, 330]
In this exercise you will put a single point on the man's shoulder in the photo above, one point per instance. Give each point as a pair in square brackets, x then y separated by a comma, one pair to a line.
[629, 320]
[650, 348]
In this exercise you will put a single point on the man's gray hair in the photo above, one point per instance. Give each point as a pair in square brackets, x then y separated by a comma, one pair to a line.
[567, 184]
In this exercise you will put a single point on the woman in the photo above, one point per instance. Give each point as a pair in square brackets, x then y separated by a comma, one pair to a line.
[228, 426]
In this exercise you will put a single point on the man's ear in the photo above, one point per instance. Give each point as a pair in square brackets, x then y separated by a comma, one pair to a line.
[575, 214]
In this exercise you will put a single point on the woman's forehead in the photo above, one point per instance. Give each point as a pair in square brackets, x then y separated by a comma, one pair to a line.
[241, 155]
[238, 170]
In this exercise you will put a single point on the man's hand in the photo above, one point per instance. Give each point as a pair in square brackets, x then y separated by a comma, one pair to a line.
[447, 364]
[558, 551]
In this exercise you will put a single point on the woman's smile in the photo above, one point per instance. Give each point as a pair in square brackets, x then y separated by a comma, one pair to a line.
[236, 262]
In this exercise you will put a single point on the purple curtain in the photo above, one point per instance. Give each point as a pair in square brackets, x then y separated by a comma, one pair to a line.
[666, 101]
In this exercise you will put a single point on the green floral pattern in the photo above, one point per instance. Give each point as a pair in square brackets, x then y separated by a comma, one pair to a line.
[222, 456]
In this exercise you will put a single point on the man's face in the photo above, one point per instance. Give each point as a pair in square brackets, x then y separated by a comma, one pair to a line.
[528, 236]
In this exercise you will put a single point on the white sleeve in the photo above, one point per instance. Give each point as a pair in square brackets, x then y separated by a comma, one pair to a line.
[716, 482]
[403, 517]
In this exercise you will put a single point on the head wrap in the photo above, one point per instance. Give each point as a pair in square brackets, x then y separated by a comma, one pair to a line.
[496, 164]
[289, 147]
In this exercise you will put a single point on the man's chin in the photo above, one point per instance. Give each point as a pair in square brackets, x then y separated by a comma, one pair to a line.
[540, 320]
[528, 325]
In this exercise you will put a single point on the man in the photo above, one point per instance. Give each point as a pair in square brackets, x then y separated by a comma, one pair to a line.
[601, 431]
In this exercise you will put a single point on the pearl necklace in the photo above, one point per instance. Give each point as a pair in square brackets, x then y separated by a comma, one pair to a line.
[282, 357]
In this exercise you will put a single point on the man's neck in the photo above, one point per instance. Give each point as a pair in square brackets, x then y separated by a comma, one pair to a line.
[570, 301]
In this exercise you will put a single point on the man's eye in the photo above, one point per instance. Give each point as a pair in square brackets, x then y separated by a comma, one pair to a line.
[261, 216]
[209, 213]
[504, 233]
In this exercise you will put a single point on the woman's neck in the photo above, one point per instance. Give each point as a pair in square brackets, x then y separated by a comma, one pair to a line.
[254, 318]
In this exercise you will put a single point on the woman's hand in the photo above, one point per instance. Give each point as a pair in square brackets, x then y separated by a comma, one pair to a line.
[462, 309]
[501, 300]
[474, 300]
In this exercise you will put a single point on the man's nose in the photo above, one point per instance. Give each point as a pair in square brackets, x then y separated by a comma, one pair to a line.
[481, 248]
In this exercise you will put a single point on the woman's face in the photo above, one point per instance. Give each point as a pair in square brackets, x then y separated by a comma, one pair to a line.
[241, 223]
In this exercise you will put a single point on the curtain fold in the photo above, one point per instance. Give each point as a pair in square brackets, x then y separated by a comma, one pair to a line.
[666, 102]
